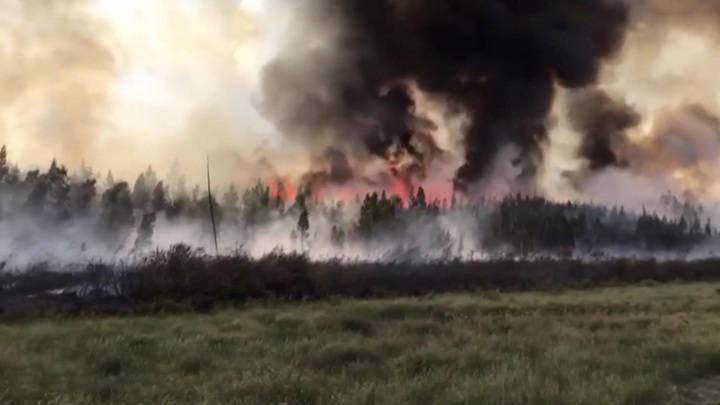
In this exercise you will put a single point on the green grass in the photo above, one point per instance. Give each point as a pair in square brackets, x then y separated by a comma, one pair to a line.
[624, 345]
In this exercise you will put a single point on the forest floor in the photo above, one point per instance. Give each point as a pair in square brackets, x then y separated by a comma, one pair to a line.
[642, 344]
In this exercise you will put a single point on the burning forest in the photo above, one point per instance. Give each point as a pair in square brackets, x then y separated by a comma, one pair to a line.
[359, 201]
[63, 217]
[368, 130]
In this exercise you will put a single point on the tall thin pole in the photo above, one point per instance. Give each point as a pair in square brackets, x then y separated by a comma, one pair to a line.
[212, 209]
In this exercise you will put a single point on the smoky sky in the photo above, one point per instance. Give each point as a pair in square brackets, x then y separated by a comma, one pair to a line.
[496, 61]
[335, 170]
[602, 123]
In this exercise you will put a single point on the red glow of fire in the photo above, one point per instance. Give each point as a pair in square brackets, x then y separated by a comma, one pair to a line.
[402, 189]
[438, 190]
[401, 185]
[283, 189]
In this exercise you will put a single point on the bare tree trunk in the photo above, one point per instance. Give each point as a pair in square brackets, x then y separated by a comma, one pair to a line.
[212, 209]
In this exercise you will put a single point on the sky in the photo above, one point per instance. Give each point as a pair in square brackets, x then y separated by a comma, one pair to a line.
[122, 84]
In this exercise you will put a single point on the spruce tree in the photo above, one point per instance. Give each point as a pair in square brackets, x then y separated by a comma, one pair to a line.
[303, 226]
[159, 200]
[4, 168]
[141, 193]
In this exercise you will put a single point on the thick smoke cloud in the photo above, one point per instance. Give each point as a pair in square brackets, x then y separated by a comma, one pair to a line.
[122, 84]
[55, 75]
[695, 15]
[364, 95]
[334, 169]
[685, 143]
[651, 116]
[345, 80]
[679, 150]
[602, 123]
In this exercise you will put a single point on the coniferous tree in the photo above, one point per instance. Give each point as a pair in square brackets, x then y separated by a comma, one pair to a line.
[39, 190]
[83, 173]
[82, 196]
[256, 205]
[231, 198]
[145, 232]
[4, 168]
[337, 237]
[159, 200]
[180, 202]
[57, 177]
[303, 227]
[13, 176]
[195, 195]
[50, 192]
[117, 208]
[109, 181]
[300, 203]
[419, 200]
[180, 198]
[151, 178]
[141, 193]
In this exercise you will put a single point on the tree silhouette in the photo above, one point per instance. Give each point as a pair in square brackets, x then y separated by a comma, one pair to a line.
[117, 207]
[145, 232]
[159, 201]
[303, 227]
[109, 181]
[141, 193]
[82, 196]
[419, 200]
[4, 168]
[231, 198]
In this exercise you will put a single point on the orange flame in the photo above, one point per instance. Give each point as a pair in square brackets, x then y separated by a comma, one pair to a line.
[283, 189]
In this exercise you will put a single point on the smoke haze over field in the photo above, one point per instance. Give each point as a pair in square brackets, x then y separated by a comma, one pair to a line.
[560, 98]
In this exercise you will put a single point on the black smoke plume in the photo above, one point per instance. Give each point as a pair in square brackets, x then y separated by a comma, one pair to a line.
[335, 170]
[602, 123]
[345, 77]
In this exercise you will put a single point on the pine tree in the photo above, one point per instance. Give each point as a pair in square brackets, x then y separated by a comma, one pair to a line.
[84, 173]
[141, 193]
[303, 226]
[151, 178]
[159, 201]
[81, 197]
[4, 168]
[256, 205]
[337, 237]
[117, 207]
[145, 232]
[420, 200]
[109, 181]
[300, 204]
[682, 225]
[708, 228]
[13, 176]
[50, 192]
[231, 198]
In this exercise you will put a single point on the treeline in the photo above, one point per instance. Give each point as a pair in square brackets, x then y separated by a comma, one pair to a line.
[531, 223]
[522, 225]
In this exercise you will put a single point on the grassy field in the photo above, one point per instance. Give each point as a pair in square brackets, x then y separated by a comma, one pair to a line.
[649, 344]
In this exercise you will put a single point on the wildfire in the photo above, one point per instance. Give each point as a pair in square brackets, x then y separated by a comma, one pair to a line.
[283, 189]
[399, 181]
